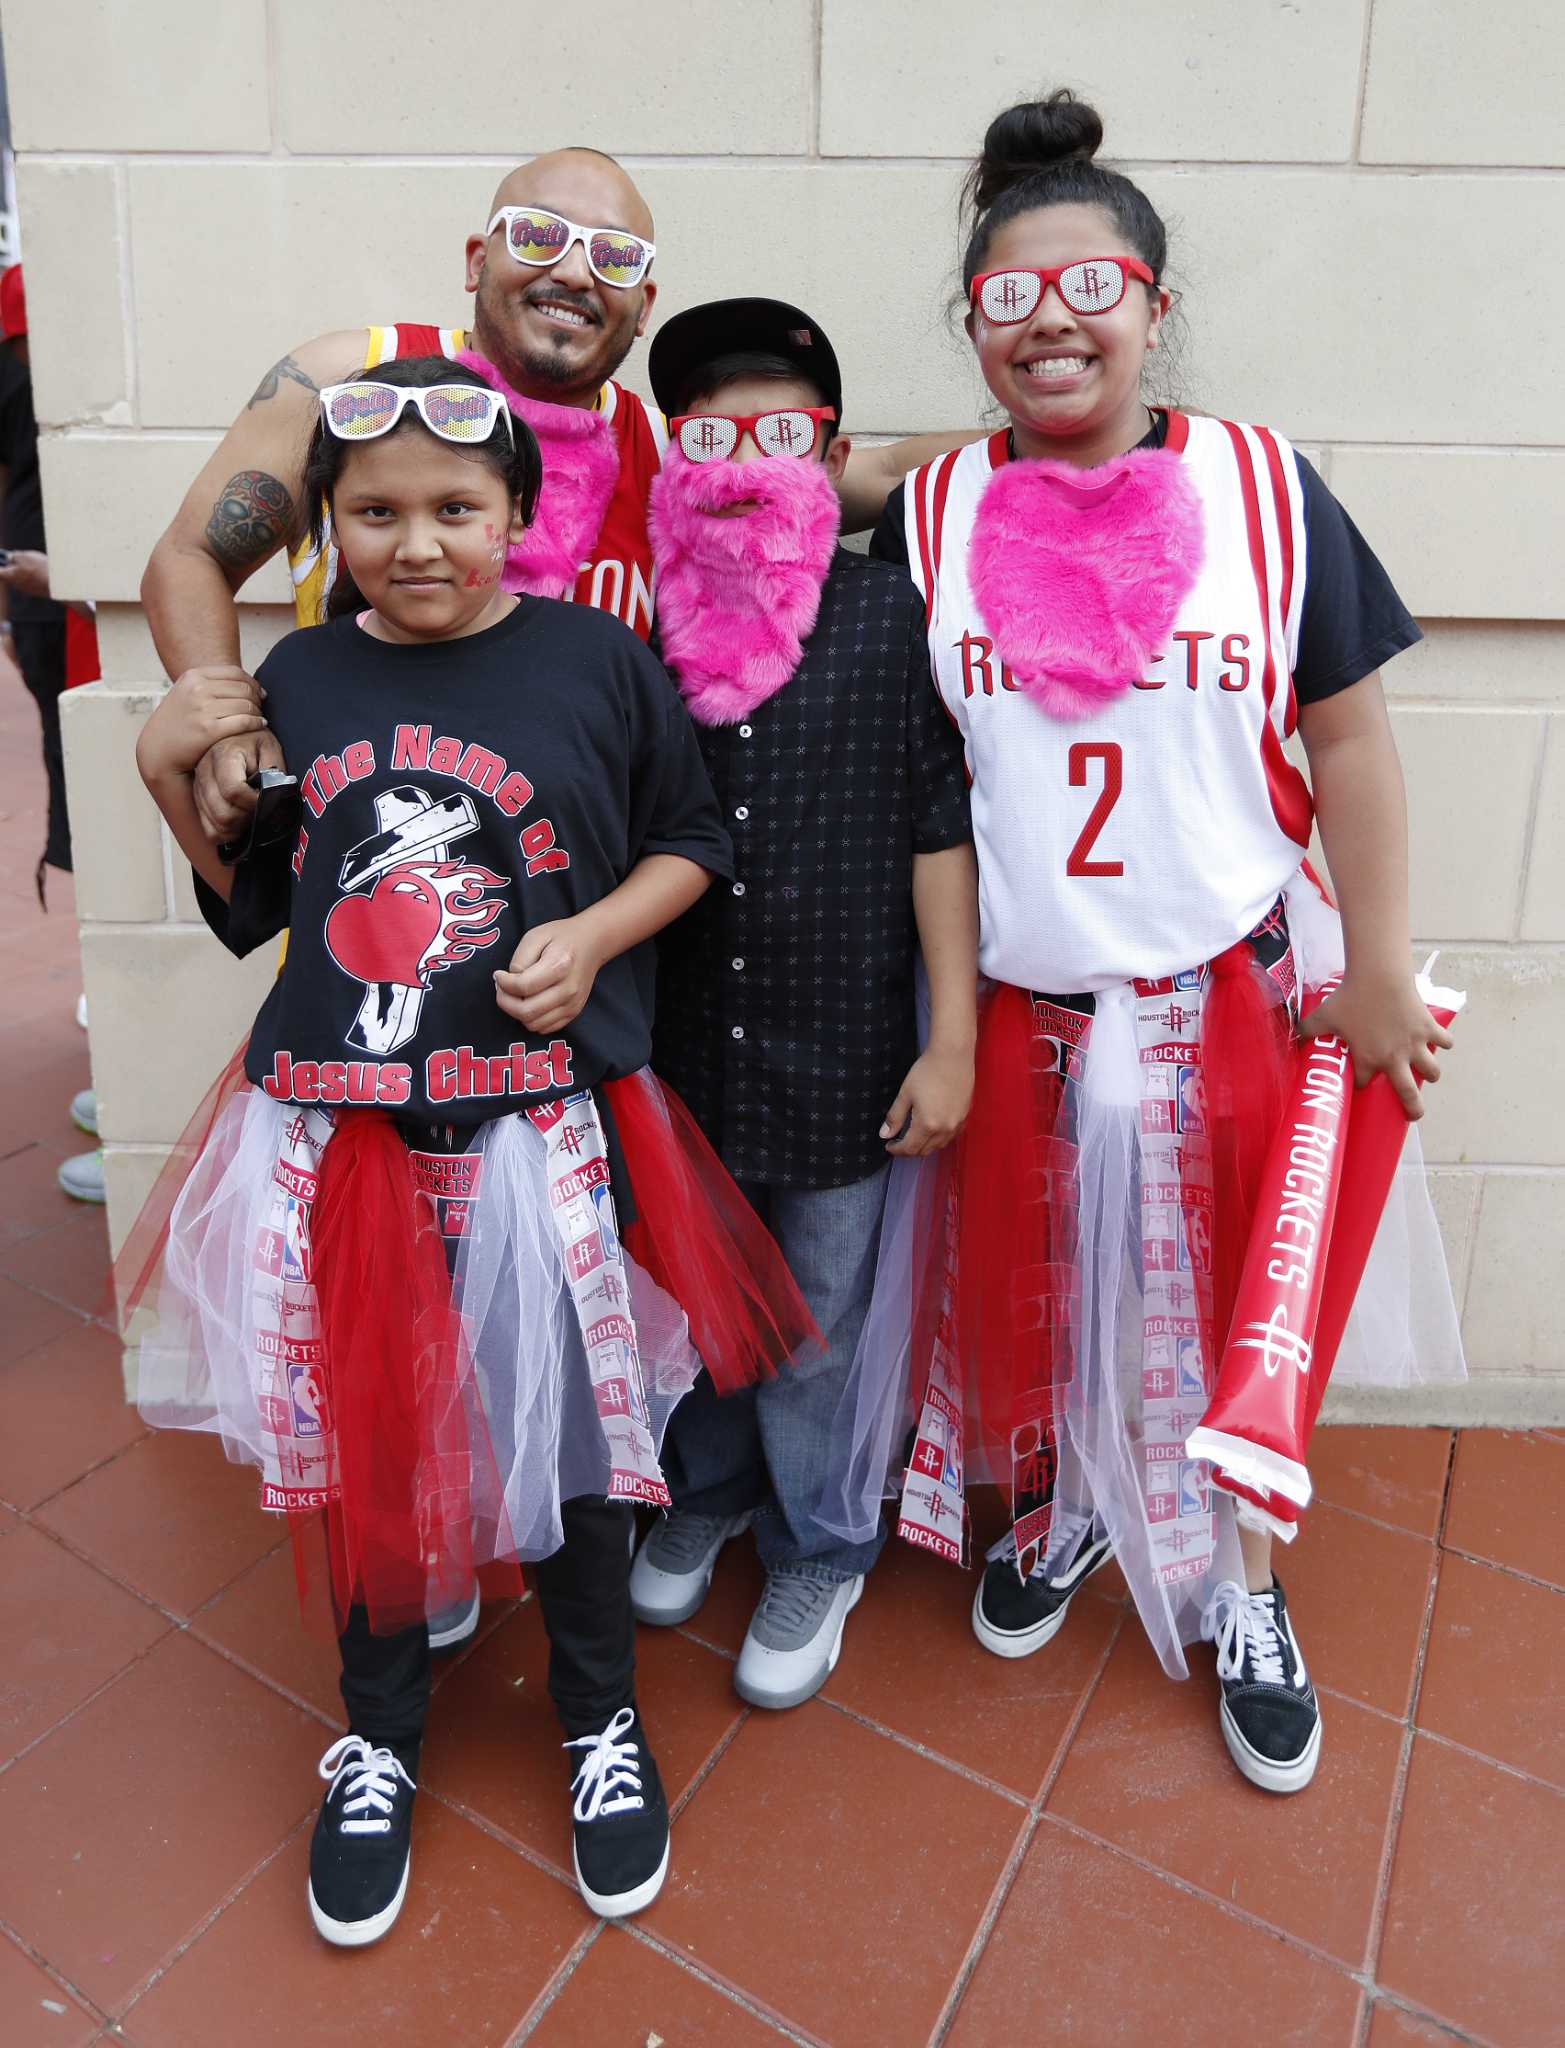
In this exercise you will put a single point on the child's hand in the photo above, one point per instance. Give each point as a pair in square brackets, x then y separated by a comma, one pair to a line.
[206, 705]
[1384, 1024]
[932, 1102]
[550, 977]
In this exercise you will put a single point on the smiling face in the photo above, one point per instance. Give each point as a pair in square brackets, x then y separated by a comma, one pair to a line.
[1071, 382]
[558, 334]
[423, 529]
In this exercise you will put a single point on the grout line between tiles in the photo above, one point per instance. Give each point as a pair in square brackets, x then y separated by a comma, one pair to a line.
[989, 1919]
[183, 1947]
[563, 1974]
[734, 1993]
[713, 1758]
[1242, 1914]
[934, 1756]
[54, 1973]
[97, 1693]
[1510, 1570]
[1482, 1756]
[1399, 2003]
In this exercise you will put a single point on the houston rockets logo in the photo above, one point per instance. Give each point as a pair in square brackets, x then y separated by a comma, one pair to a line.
[408, 911]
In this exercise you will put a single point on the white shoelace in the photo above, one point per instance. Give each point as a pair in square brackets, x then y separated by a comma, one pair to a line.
[1245, 1624]
[369, 1784]
[609, 1780]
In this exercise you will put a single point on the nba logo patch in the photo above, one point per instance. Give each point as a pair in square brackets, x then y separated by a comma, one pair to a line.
[1189, 1105]
[1192, 1380]
[306, 1400]
[296, 1238]
[1194, 1492]
[603, 1203]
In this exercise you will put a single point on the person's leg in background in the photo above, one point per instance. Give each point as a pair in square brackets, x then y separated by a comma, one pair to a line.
[831, 1240]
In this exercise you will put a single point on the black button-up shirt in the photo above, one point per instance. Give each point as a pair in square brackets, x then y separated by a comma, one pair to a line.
[785, 997]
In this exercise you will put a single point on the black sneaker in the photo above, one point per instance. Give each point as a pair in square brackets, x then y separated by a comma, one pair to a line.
[621, 1819]
[1013, 1616]
[1270, 1716]
[359, 1854]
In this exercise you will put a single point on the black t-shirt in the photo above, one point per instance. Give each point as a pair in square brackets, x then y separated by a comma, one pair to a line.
[1350, 620]
[455, 796]
[23, 512]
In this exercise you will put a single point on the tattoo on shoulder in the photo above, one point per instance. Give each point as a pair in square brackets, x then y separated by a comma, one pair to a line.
[285, 372]
[250, 519]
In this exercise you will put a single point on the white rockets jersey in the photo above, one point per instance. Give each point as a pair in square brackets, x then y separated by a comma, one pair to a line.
[1147, 836]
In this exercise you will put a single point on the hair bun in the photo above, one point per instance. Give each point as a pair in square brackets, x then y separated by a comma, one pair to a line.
[1034, 136]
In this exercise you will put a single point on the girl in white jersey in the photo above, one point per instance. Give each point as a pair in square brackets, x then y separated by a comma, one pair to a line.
[1129, 610]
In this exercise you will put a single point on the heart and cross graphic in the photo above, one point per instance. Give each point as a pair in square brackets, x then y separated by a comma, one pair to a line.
[400, 899]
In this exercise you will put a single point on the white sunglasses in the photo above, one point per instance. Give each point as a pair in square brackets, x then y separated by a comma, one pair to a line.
[366, 409]
[539, 238]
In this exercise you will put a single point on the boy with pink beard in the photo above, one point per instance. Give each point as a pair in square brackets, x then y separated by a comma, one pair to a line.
[785, 1009]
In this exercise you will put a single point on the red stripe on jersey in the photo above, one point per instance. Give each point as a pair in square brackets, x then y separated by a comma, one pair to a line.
[921, 520]
[1286, 788]
[943, 471]
[1000, 448]
[1177, 432]
[1285, 543]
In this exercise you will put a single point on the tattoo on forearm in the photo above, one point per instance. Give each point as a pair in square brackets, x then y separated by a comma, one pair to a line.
[286, 371]
[249, 519]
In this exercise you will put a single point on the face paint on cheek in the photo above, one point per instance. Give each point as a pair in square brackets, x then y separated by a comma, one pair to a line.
[475, 581]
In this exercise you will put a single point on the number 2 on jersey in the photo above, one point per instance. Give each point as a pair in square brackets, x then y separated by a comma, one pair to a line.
[1084, 752]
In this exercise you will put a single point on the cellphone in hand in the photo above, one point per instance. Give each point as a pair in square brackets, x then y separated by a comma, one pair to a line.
[275, 819]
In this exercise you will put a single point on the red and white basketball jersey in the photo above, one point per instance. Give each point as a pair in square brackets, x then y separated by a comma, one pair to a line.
[617, 574]
[1150, 835]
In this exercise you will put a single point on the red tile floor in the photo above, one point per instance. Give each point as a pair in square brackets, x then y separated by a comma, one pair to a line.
[942, 1847]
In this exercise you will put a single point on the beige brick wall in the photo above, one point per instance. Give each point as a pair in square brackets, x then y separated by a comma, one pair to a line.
[1364, 194]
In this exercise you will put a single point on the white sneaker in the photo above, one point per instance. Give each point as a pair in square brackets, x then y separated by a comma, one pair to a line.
[82, 1177]
[84, 1112]
[456, 1623]
[674, 1567]
[794, 1638]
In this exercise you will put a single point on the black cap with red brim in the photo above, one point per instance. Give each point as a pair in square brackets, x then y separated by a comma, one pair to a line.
[686, 344]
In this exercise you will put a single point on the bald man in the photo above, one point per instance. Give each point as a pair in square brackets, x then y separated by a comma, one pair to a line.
[554, 335]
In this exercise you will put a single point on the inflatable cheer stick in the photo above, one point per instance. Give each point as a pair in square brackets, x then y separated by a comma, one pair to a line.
[1256, 1421]
[1376, 1137]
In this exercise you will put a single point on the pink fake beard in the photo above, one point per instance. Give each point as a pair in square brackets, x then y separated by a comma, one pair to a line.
[580, 470]
[737, 598]
[1079, 574]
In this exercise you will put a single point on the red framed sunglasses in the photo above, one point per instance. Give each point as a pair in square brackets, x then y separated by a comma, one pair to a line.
[1095, 284]
[713, 436]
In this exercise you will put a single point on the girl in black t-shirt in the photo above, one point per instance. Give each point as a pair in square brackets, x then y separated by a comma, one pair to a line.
[443, 1268]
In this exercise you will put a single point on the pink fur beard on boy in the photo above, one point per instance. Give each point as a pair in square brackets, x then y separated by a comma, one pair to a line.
[580, 469]
[1079, 573]
[737, 597]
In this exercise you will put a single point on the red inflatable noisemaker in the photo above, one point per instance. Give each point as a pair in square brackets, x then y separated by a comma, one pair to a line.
[1323, 1192]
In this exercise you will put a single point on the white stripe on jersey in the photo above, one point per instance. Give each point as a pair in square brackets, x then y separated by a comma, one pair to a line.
[1153, 833]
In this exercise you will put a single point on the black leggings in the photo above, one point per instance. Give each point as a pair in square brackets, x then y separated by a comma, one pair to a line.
[584, 1597]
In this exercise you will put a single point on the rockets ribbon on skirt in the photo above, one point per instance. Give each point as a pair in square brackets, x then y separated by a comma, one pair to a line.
[1323, 1190]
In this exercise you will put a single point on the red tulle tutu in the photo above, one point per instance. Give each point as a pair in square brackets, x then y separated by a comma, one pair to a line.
[702, 1242]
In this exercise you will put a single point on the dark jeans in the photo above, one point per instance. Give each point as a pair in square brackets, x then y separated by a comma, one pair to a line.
[40, 655]
[584, 1597]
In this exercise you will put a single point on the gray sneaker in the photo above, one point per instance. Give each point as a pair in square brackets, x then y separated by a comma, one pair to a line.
[454, 1624]
[674, 1567]
[795, 1638]
[82, 1177]
[84, 1112]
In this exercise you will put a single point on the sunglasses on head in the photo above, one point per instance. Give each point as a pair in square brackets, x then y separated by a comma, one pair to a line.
[1095, 284]
[537, 237]
[366, 409]
[713, 436]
